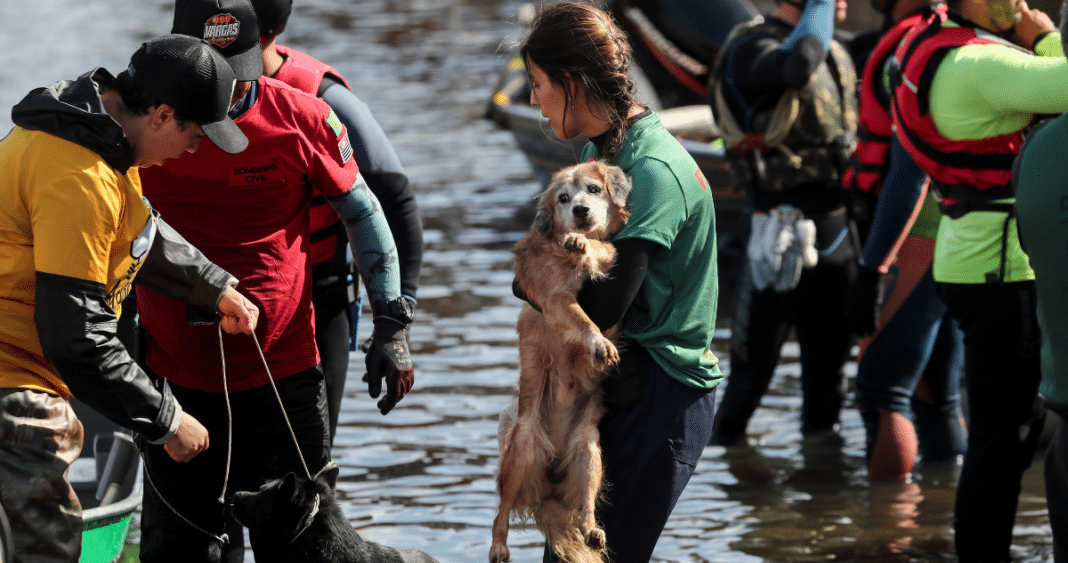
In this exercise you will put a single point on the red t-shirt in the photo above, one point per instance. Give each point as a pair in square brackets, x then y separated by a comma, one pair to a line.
[248, 213]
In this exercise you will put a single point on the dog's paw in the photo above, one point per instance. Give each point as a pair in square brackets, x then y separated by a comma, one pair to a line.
[595, 539]
[499, 553]
[604, 352]
[574, 242]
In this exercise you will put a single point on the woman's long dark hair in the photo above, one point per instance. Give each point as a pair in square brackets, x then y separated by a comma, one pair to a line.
[580, 41]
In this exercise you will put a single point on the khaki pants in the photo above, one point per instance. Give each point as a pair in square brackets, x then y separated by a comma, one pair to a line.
[39, 438]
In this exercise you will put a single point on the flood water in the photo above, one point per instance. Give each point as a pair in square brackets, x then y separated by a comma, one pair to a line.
[424, 475]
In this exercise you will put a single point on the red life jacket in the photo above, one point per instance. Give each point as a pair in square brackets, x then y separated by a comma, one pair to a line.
[305, 72]
[327, 253]
[967, 174]
[869, 164]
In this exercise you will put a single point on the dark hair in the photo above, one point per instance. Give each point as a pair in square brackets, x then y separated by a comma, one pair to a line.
[580, 41]
[272, 16]
[139, 101]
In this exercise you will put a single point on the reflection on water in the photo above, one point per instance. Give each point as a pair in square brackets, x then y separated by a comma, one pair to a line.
[424, 475]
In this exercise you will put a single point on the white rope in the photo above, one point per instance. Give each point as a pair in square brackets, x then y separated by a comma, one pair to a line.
[229, 421]
[284, 415]
[224, 539]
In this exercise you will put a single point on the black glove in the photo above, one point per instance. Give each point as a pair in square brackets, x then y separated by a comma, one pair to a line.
[388, 357]
[865, 301]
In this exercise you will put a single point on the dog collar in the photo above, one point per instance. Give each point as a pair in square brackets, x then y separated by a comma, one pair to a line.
[306, 522]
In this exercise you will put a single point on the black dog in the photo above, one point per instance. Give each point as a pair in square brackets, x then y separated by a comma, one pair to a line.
[294, 519]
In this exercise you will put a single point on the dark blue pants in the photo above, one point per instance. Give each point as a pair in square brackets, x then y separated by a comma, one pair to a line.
[263, 449]
[920, 342]
[1002, 371]
[649, 452]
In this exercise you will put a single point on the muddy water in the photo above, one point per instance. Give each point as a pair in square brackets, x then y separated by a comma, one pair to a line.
[423, 476]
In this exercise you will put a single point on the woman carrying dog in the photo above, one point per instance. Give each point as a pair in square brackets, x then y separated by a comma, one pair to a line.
[664, 286]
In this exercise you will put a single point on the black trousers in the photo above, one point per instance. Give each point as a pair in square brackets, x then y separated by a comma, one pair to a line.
[263, 449]
[1002, 372]
[333, 327]
[817, 310]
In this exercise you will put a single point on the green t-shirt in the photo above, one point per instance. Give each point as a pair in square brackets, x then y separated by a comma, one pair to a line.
[981, 91]
[1041, 195]
[674, 314]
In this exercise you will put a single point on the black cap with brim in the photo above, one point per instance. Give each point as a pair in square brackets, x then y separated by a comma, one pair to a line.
[191, 76]
[229, 25]
[226, 135]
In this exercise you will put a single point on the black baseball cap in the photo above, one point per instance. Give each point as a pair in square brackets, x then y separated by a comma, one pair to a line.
[189, 75]
[272, 15]
[229, 25]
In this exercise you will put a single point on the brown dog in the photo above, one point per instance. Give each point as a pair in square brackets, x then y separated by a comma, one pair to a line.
[549, 443]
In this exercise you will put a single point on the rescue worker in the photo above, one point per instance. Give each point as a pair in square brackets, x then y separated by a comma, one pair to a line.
[1040, 187]
[76, 233]
[296, 145]
[783, 93]
[908, 369]
[962, 103]
[336, 323]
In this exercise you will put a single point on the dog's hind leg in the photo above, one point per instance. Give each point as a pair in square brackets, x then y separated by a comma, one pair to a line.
[523, 453]
[586, 473]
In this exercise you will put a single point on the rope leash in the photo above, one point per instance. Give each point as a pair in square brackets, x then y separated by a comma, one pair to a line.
[224, 538]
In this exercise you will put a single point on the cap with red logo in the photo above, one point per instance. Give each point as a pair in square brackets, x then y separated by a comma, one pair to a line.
[229, 25]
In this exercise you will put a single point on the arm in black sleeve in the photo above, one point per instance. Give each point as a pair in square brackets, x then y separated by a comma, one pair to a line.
[760, 65]
[385, 176]
[77, 330]
[607, 300]
[176, 269]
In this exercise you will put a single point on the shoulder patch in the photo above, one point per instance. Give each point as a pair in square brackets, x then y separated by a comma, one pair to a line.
[335, 124]
[344, 147]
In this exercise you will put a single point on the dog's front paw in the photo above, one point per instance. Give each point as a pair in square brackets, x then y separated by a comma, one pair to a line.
[574, 242]
[604, 352]
[595, 539]
[499, 553]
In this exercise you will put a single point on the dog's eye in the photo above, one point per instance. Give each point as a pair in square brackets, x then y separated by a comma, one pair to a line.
[593, 188]
[563, 198]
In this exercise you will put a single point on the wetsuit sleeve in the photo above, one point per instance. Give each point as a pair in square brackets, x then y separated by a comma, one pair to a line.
[817, 20]
[371, 242]
[382, 169]
[903, 190]
[176, 269]
[607, 301]
[759, 64]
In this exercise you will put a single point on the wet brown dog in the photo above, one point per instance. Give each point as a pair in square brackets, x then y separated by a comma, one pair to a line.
[549, 443]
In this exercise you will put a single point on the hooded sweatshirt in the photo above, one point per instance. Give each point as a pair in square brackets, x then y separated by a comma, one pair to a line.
[74, 232]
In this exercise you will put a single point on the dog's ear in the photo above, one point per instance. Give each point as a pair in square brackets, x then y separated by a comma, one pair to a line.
[543, 221]
[287, 491]
[329, 473]
[619, 185]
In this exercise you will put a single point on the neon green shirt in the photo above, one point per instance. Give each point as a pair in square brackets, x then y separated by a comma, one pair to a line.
[980, 91]
[674, 314]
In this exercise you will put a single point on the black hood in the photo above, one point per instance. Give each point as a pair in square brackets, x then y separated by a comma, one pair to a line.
[72, 110]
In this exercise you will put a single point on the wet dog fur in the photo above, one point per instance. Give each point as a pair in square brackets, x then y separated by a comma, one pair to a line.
[296, 519]
[551, 467]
